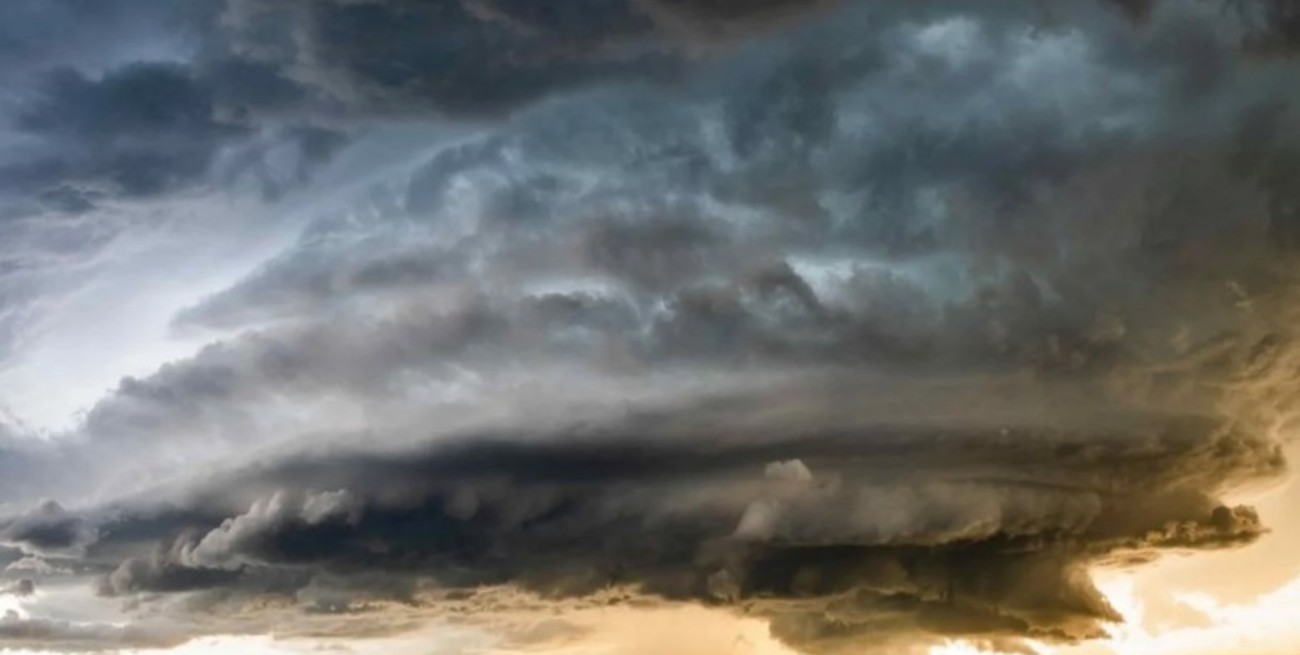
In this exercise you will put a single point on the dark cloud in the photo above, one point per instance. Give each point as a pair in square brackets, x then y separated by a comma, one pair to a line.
[247, 89]
[480, 57]
[47, 528]
[1272, 26]
[38, 34]
[266, 65]
[727, 18]
[140, 130]
[1024, 290]
[797, 504]
[159, 572]
[132, 102]
[109, 118]
[913, 181]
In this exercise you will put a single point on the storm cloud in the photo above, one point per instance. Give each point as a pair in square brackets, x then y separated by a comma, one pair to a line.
[884, 323]
[832, 522]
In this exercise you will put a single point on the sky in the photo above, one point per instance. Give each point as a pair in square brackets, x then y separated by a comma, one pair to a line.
[649, 327]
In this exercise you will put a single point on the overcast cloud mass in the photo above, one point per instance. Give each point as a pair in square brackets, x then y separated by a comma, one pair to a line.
[644, 327]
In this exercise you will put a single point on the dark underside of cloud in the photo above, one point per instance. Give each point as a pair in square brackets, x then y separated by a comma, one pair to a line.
[834, 531]
[838, 508]
[881, 321]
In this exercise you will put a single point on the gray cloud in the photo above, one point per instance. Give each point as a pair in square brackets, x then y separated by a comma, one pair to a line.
[151, 100]
[82, 637]
[478, 57]
[47, 528]
[21, 588]
[887, 322]
[144, 130]
[77, 33]
[787, 503]
[1272, 26]
[140, 130]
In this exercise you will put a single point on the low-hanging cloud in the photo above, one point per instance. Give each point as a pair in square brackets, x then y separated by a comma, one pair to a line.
[779, 502]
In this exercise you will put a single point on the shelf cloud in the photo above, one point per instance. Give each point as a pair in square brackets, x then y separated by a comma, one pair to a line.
[886, 324]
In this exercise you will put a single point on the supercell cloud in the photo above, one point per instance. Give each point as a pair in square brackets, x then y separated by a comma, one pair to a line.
[884, 323]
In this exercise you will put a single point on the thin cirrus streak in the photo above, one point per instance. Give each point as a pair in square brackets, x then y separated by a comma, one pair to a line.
[648, 326]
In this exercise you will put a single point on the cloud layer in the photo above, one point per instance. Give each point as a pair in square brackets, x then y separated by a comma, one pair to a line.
[881, 322]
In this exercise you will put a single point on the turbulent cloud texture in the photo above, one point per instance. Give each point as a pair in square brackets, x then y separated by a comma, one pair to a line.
[883, 322]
